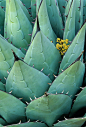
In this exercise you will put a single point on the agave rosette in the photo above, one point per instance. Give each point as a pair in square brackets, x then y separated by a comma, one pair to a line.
[42, 63]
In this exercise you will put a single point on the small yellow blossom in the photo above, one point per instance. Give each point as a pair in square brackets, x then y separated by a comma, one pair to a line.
[66, 41]
[62, 45]
[51, 41]
[58, 39]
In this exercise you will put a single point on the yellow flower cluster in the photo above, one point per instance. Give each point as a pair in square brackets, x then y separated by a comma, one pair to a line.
[62, 45]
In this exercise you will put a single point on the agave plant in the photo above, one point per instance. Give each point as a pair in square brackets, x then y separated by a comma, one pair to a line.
[42, 63]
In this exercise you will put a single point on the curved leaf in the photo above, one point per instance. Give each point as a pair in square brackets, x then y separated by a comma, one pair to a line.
[80, 102]
[55, 17]
[16, 29]
[2, 86]
[49, 108]
[29, 124]
[43, 54]
[69, 31]
[33, 8]
[67, 9]
[6, 57]
[79, 15]
[62, 5]
[73, 122]
[11, 108]
[2, 17]
[44, 22]
[26, 82]
[74, 50]
[69, 80]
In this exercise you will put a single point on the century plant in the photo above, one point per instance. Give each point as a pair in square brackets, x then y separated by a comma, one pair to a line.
[42, 63]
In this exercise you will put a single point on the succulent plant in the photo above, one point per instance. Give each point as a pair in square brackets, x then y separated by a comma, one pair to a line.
[42, 63]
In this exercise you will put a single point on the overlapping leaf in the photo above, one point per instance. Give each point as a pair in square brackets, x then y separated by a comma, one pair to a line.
[55, 17]
[6, 57]
[29, 124]
[15, 25]
[79, 15]
[74, 50]
[2, 86]
[33, 8]
[11, 108]
[44, 22]
[69, 31]
[26, 82]
[43, 55]
[74, 122]
[80, 102]
[69, 80]
[49, 108]
[2, 17]
[62, 5]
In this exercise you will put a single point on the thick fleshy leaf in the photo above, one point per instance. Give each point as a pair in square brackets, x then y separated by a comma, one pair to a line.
[49, 108]
[26, 82]
[67, 9]
[11, 108]
[55, 17]
[62, 5]
[2, 86]
[73, 122]
[33, 8]
[79, 15]
[84, 10]
[15, 25]
[3, 4]
[43, 54]
[3, 122]
[27, 4]
[80, 102]
[29, 124]
[74, 50]
[69, 80]
[38, 2]
[44, 22]
[2, 17]
[6, 57]
[69, 31]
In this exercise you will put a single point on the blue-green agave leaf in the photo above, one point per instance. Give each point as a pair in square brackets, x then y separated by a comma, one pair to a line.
[29, 124]
[44, 22]
[2, 86]
[69, 80]
[69, 31]
[74, 50]
[11, 108]
[73, 122]
[3, 122]
[84, 10]
[16, 29]
[79, 15]
[62, 5]
[67, 9]
[43, 54]
[2, 17]
[27, 4]
[49, 108]
[38, 2]
[33, 8]
[55, 17]
[26, 82]
[6, 57]
[80, 102]
[3, 4]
